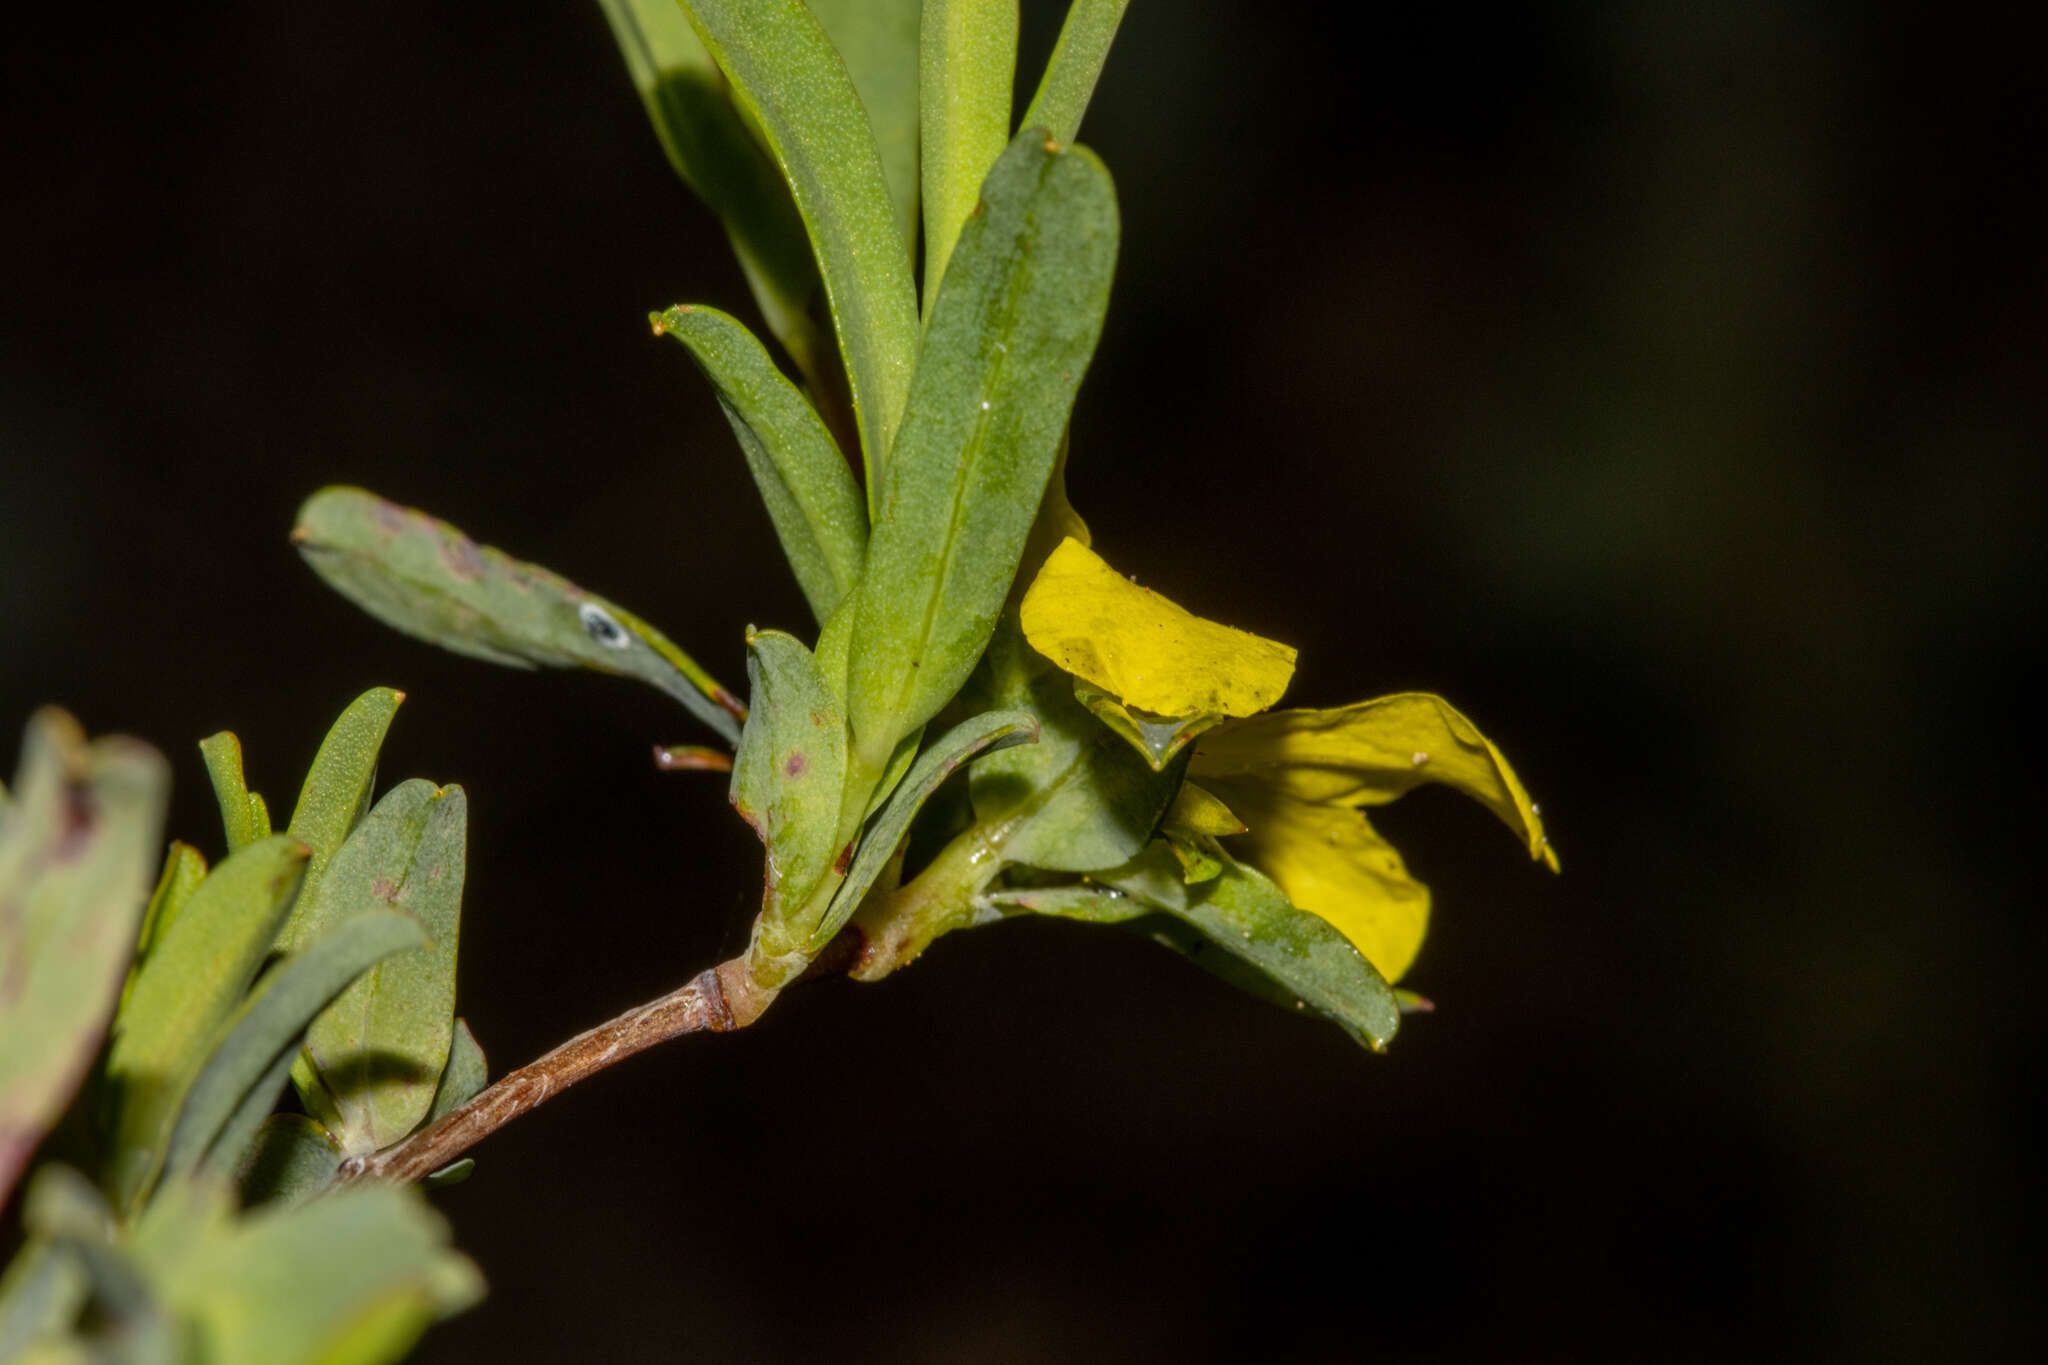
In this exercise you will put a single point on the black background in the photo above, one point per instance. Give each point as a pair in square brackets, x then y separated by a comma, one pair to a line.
[1662, 383]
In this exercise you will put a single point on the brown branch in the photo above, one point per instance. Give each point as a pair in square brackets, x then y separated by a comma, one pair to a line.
[699, 1005]
[694, 1007]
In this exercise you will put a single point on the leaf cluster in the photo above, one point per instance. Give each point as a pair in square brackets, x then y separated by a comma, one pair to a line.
[170, 1022]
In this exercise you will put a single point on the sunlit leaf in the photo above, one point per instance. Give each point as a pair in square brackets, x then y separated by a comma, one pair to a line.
[337, 790]
[788, 776]
[1369, 753]
[77, 842]
[1196, 810]
[1143, 649]
[787, 77]
[428, 579]
[380, 1048]
[194, 979]
[223, 755]
[940, 759]
[1076, 64]
[967, 61]
[817, 511]
[1014, 327]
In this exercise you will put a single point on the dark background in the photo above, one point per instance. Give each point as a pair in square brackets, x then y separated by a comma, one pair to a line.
[1662, 383]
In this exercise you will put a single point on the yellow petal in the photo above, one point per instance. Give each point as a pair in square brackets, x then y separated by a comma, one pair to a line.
[1333, 864]
[1368, 754]
[1146, 651]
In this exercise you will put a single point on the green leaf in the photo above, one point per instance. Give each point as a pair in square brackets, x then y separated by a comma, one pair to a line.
[1089, 904]
[379, 1050]
[42, 1293]
[967, 61]
[354, 1276]
[428, 579]
[62, 1206]
[291, 1160]
[708, 144]
[462, 1079]
[223, 755]
[238, 1131]
[1157, 739]
[787, 77]
[1246, 931]
[76, 847]
[1076, 64]
[195, 978]
[1079, 799]
[878, 41]
[817, 511]
[1016, 321]
[270, 1023]
[790, 771]
[337, 791]
[991, 730]
[259, 817]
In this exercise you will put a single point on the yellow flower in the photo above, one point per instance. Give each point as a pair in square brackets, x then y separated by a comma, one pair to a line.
[1297, 780]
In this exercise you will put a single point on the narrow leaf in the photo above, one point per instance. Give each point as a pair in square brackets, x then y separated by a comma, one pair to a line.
[790, 771]
[184, 869]
[223, 755]
[991, 730]
[337, 789]
[463, 1078]
[269, 1025]
[967, 61]
[381, 1047]
[238, 1131]
[428, 579]
[878, 41]
[194, 979]
[76, 847]
[259, 817]
[816, 509]
[710, 147]
[1015, 324]
[1076, 65]
[787, 77]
